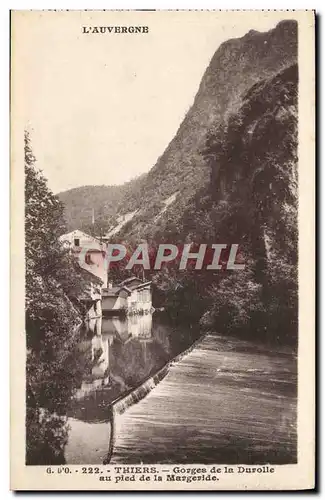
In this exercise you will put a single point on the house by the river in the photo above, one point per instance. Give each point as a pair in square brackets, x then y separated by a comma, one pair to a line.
[131, 296]
[90, 253]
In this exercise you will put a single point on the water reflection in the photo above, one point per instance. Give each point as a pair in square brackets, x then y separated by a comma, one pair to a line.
[111, 344]
[120, 354]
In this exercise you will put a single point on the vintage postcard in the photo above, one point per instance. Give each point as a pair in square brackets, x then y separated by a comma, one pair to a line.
[162, 250]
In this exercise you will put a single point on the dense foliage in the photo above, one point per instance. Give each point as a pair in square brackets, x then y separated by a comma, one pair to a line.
[251, 200]
[254, 184]
[52, 317]
[103, 204]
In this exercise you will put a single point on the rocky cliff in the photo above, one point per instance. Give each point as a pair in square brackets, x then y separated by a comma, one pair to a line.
[230, 176]
[165, 194]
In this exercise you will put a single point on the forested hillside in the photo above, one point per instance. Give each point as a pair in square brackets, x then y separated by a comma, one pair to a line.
[229, 176]
[255, 200]
[104, 202]
[183, 170]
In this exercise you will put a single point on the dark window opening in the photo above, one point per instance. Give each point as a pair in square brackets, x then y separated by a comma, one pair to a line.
[76, 242]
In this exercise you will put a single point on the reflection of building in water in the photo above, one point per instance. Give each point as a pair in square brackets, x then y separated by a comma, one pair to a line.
[135, 326]
[99, 348]
[94, 325]
[141, 329]
[140, 326]
[116, 326]
[89, 387]
[100, 355]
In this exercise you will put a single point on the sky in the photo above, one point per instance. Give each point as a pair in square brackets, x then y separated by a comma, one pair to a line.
[101, 108]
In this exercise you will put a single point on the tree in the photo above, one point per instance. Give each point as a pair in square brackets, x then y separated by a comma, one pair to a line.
[253, 161]
[53, 283]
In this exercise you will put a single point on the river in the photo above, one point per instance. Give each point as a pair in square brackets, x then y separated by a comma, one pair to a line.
[153, 393]
[119, 355]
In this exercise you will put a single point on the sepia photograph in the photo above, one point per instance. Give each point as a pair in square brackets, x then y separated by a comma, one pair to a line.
[159, 166]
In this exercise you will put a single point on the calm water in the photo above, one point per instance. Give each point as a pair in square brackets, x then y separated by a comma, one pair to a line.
[118, 355]
[225, 401]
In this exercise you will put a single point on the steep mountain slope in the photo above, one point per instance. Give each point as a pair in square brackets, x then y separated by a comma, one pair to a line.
[183, 171]
[230, 176]
[236, 66]
[254, 201]
[251, 200]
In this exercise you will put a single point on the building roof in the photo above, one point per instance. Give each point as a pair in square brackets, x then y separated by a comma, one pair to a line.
[130, 284]
[128, 280]
[125, 285]
[78, 232]
[111, 292]
[86, 240]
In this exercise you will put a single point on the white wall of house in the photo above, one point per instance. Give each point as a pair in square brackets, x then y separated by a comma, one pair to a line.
[140, 325]
[140, 299]
[80, 242]
[137, 300]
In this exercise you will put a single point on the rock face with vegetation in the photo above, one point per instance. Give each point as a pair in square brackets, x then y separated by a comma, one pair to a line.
[236, 66]
[228, 176]
[254, 186]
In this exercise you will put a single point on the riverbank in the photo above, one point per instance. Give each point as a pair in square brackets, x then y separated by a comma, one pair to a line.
[225, 401]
